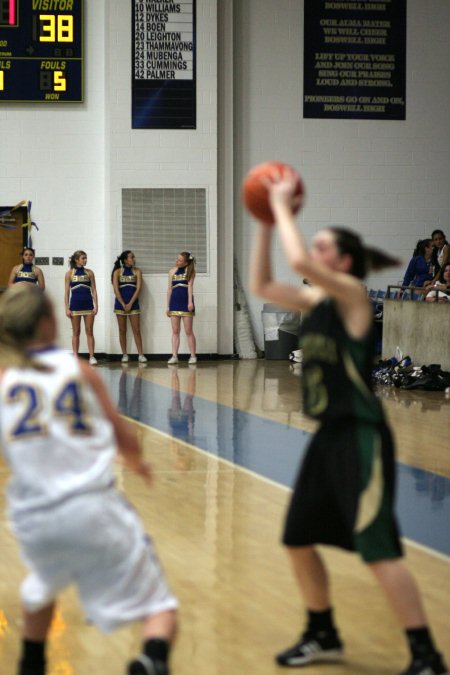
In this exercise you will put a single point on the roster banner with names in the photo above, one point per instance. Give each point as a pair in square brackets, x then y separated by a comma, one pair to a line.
[355, 59]
[163, 65]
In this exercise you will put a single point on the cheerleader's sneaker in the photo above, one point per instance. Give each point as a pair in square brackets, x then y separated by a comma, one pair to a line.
[142, 358]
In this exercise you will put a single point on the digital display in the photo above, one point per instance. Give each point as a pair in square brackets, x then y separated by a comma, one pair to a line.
[41, 51]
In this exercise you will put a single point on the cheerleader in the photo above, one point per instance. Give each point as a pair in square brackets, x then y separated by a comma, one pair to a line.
[127, 283]
[180, 303]
[27, 271]
[81, 301]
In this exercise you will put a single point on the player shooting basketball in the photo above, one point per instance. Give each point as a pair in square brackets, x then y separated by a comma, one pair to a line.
[344, 494]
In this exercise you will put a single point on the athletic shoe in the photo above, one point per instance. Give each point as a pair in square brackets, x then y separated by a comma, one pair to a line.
[31, 670]
[124, 358]
[429, 665]
[192, 361]
[172, 360]
[142, 358]
[311, 648]
[295, 368]
[93, 361]
[144, 665]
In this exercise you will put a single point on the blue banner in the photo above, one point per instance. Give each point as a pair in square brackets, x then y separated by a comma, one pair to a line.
[354, 59]
[163, 65]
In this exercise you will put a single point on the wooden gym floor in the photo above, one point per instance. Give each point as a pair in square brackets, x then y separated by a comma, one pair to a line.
[225, 439]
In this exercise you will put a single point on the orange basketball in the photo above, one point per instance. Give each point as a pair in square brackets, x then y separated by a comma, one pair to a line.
[254, 192]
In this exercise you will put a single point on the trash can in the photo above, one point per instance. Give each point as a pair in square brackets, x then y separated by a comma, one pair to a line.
[281, 329]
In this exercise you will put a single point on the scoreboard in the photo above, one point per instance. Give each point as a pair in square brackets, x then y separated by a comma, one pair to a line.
[41, 51]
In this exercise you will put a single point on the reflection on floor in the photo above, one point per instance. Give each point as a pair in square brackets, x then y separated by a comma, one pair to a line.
[225, 439]
[273, 448]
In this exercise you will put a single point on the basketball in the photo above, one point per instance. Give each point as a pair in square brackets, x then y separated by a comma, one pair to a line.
[254, 192]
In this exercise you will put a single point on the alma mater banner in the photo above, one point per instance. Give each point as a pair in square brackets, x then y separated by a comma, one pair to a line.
[354, 59]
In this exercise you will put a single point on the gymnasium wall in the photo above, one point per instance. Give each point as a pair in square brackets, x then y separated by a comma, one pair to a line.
[54, 155]
[387, 180]
[72, 162]
[147, 158]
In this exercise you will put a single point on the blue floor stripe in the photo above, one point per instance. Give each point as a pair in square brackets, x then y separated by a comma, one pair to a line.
[271, 449]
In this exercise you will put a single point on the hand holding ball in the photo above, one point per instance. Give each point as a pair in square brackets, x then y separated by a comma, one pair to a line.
[255, 191]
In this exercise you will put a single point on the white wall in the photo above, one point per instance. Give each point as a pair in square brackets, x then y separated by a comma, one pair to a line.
[163, 158]
[387, 180]
[53, 155]
[72, 162]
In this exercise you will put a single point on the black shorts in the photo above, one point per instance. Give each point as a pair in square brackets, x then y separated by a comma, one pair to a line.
[344, 493]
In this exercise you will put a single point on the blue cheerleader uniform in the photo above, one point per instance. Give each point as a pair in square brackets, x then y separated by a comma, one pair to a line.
[181, 418]
[81, 301]
[127, 288]
[178, 305]
[27, 272]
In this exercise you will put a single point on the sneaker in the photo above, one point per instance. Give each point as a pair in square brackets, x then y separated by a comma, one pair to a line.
[311, 648]
[142, 358]
[31, 670]
[124, 358]
[93, 361]
[192, 361]
[144, 665]
[429, 665]
[172, 360]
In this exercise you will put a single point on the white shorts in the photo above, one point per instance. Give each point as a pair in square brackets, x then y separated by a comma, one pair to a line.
[97, 542]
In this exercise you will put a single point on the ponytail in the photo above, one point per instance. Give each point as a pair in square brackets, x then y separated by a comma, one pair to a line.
[364, 258]
[190, 264]
[119, 262]
[74, 257]
[377, 260]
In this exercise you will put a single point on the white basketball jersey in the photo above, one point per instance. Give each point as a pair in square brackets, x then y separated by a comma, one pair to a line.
[54, 433]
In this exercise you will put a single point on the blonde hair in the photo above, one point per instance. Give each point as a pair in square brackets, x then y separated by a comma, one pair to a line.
[190, 263]
[21, 308]
[74, 257]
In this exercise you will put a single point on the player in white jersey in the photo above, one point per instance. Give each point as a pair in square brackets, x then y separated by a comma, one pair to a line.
[60, 432]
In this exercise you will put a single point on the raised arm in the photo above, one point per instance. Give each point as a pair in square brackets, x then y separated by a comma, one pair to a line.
[262, 282]
[340, 285]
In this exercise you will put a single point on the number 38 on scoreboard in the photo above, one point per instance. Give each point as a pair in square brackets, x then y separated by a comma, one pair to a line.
[41, 50]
